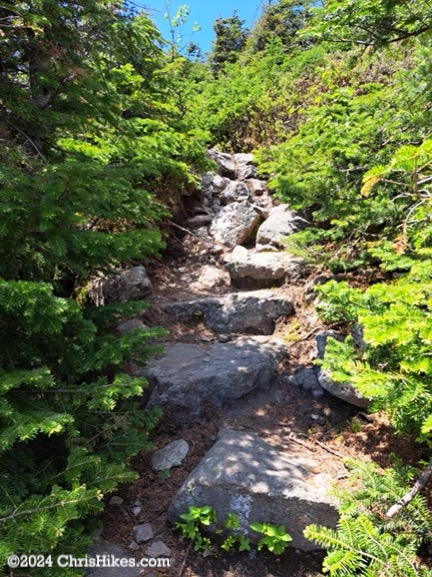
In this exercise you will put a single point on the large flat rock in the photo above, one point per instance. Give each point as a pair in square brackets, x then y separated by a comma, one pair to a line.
[249, 269]
[247, 476]
[189, 377]
[251, 313]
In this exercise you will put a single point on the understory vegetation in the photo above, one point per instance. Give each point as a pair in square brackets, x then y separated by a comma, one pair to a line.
[104, 128]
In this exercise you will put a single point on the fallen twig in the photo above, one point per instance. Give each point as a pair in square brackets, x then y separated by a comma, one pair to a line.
[418, 486]
[291, 437]
[326, 328]
[310, 333]
[183, 565]
[332, 451]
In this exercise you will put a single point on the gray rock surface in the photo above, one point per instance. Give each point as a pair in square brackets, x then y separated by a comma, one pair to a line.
[142, 533]
[200, 220]
[243, 158]
[189, 377]
[306, 379]
[247, 476]
[129, 285]
[343, 391]
[226, 163]
[257, 187]
[132, 325]
[250, 269]
[213, 182]
[170, 456]
[281, 223]
[244, 166]
[236, 191]
[235, 223]
[242, 313]
[111, 550]
[211, 277]
[158, 549]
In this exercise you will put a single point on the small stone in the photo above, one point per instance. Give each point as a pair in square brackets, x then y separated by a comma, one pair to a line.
[306, 378]
[315, 417]
[207, 339]
[132, 325]
[133, 546]
[170, 456]
[142, 533]
[116, 500]
[158, 549]
[136, 511]
[210, 278]
[236, 191]
[223, 338]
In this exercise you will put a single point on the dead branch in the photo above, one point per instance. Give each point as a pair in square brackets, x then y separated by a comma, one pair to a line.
[183, 565]
[418, 486]
[291, 437]
[329, 450]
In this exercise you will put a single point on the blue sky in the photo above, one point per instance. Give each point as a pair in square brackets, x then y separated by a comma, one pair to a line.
[204, 12]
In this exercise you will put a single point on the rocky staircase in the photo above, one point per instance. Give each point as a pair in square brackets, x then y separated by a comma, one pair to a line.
[241, 473]
[236, 235]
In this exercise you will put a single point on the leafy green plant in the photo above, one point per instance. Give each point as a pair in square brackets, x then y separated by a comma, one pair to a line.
[236, 538]
[275, 538]
[192, 523]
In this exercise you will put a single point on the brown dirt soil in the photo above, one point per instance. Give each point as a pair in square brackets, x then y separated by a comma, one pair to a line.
[326, 429]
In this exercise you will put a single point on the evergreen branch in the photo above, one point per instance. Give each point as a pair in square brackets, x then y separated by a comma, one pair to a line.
[63, 503]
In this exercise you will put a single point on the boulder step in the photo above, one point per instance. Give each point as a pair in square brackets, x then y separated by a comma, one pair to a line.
[249, 269]
[188, 377]
[252, 312]
[245, 475]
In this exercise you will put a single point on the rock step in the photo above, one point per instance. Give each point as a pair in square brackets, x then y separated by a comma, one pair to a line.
[256, 270]
[252, 313]
[188, 377]
[251, 478]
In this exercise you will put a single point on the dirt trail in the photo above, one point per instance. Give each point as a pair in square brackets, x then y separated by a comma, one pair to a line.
[326, 429]
[322, 427]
